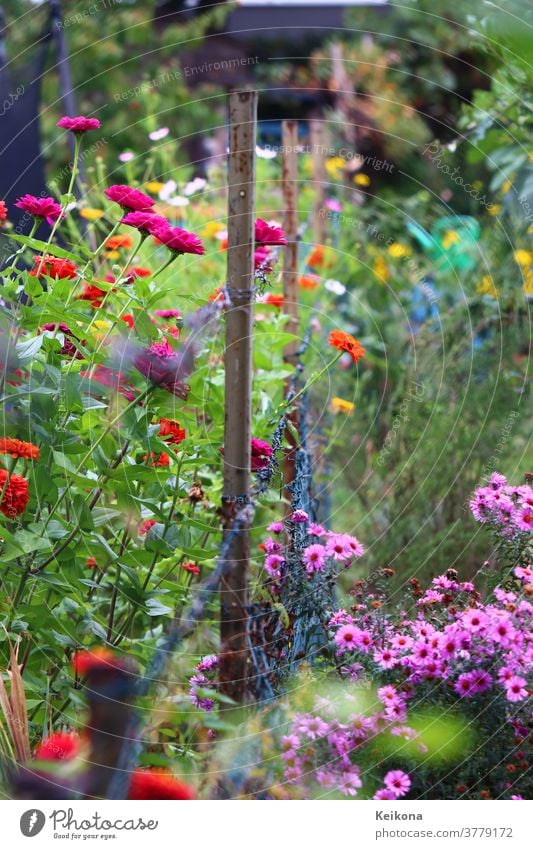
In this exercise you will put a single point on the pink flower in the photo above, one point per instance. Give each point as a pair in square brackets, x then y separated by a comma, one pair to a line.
[267, 234]
[299, 516]
[388, 695]
[179, 241]
[46, 208]
[146, 222]
[398, 782]
[337, 547]
[356, 547]
[316, 530]
[385, 658]
[290, 742]
[314, 558]
[129, 199]
[384, 794]
[273, 564]
[346, 638]
[275, 527]
[311, 726]
[261, 454]
[350, 782]
[168, 313]
[340, 617]
[475, 620]
[524, 518]
[525, 573]
[79, 124]
[161, 365]
[516, 688]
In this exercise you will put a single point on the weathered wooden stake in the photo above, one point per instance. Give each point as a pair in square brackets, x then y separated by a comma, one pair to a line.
[290, 269]
[238, 388]
[317, 137]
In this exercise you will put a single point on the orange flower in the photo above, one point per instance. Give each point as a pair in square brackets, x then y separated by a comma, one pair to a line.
[115, 242]
[157, 460]
[17, 448]
[51, 266]
[274, 300]
[91, 563]
[316, 257]
[344, 342]
[172, 431]
[308, 281]
[16, 494]
[99, 658]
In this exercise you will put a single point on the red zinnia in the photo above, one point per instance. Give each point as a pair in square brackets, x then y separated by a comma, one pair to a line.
[268, 234]
[51, 266]
[145, 526]
[79, 124]
[274, 300]
[191, 567]
[69, 348]
[108, 377]
[344, 342]
[46, 208]
[149, 784]
[17, 448]
[172, 431]
[91, 563]
[3, 211]
[93, 294]
[157, 460]
[178, 240]
[129, 199]
[58, 746]
[16, 494]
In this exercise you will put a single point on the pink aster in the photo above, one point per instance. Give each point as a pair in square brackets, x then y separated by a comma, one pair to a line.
[290, 742]
[316, 530]
[350, 782]
[474, 619]
[312, 726]
[273, 564]
[384, 794]
[337, 547]
[276, 527]
[398, 782]
[516, 688]
[340, 617]
[346, 638]
[388, 695]
[525, 573]
[314, 558]
[299, 516]
[79, 124]
[385, 658]
[45, 208]
[524, 518]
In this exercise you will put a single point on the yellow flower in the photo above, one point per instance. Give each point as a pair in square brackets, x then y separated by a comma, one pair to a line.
[494, 208]
[154, 187]
[91, 214]
[101, 324]
[381, 269]
[506, 186]
[487, 287]
[361, 180]
[528, 281]
[211, 229]
[451, 237]
[523, 258]
[335, 165]
[339, 405]
[112, 255]
[397, 250]
[477, 184]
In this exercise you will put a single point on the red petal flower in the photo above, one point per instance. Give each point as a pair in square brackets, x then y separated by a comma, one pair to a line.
[146, 222]
[171, 430]
[149, 784]
[3, 211]
[51, 266]
[17, 448]
[267, 234]
[79, 124]
[129, 199]
[16, 494]
[344, 342]
[58, 746]
[178, 240]
[46, 208]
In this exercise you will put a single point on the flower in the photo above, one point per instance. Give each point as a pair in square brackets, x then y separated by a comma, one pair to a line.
[515, 688]
[316, 257]
[91, 214]
[276, 527]
[112, 379]
[43, 208]
[157, 135]
[314, 557]
[154, 186]
[299, 516]
[269, 234]
[3, 211]
[145, 526]
[191, 567]
[79, 124]
[361, 180]
[93, 294]
[344, 342]
[168, 313]
[91, 563]
[524, 518]
[384, 794]
[16, 494]
[146, 221]
[273, 564]
[152, 784]
[160, 364]
[274, 300]
[17, 448]
[171, 430]
[61, 745]
[339, 405]
[157, 460]
[398, 782]
[121, 241]
[95, 660]
[126, 156]
[51, 266]
[261, 452]
[308, 281]
[347, 638]
[129, 199]
[179, 241]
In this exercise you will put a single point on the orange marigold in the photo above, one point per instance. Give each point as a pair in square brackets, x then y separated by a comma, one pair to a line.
[344, 342]
[16, 494]
[17, 448]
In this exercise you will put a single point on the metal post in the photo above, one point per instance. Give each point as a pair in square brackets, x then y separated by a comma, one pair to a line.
[238, 388]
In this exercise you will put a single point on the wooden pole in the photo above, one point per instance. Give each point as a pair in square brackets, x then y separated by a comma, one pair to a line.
[290, 271]
[317, 137]
[238, 388]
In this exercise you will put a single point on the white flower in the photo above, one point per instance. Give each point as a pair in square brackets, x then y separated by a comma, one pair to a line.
[265, 152]
[195, 185]
[335, 286]
[127, 156]
[167, 195]
[156, 135]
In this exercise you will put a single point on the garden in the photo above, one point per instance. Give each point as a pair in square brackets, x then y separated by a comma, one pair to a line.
[266, 495]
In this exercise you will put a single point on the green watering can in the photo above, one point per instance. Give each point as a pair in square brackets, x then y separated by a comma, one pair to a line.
[453, 241]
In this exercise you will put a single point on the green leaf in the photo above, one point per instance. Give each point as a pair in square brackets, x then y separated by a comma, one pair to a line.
[54, 250]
